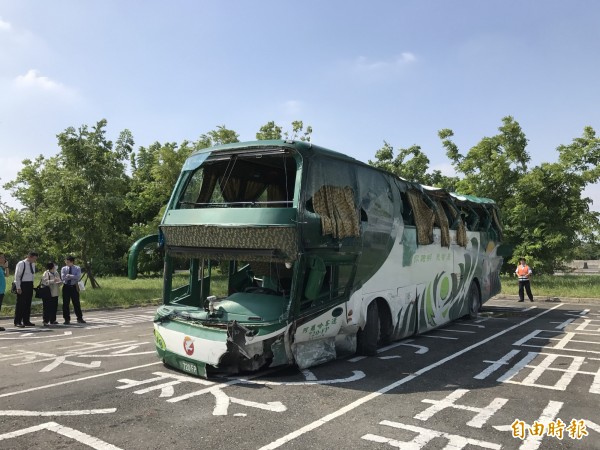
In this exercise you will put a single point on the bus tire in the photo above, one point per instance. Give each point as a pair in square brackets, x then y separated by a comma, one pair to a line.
[386, 329]
[474, 301]
[366, 339]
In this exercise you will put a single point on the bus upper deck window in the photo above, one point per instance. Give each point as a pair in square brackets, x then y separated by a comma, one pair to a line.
[242, 181]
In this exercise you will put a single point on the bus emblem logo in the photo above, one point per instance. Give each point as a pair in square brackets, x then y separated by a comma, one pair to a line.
[188, 345]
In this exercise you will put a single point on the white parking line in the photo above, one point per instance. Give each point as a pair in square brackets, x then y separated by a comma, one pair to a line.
[355, 404]
[82, 412]
[47, 386]
[76, 435]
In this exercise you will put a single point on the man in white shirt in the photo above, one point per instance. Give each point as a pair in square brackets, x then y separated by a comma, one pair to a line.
[24, 274]
[71, 274]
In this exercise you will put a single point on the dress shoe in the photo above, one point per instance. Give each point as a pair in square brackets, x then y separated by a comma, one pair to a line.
[46, 324]
[67, 322]
[29, 324]
[81, 321]
[19, 325]
[54, 323]
[2, 329]
[519, 301]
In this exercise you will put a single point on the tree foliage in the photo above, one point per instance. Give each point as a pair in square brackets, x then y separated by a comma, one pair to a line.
[411, 164]
[74, 202]
[273, 131]
[493, 166]
[545, 216]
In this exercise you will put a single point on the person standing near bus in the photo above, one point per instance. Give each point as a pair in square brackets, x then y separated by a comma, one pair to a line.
[524, 272]
[70, 275]
[24, 274]
[3, 268]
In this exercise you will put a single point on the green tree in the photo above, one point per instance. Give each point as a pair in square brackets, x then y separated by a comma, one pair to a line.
[493, 166]
[155, 171]
[13, 242]
[411, 164]
[271, 130]
[75, 202]
[222, 135]
[545, 215]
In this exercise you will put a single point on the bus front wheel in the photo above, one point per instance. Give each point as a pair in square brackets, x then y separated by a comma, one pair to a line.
[367, 338]
[474, 301]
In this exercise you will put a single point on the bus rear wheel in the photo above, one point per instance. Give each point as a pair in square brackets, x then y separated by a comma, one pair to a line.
[474, 301]
[367, 338]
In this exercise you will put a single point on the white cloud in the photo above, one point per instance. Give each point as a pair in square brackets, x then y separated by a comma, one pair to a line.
[4, 26]
[33, 79]
[366, 69]
[363, 64]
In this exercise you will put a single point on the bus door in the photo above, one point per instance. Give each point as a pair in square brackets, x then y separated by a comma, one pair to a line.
[320, 307]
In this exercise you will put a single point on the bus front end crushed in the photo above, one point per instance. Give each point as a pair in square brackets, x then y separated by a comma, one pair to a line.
[211, 343]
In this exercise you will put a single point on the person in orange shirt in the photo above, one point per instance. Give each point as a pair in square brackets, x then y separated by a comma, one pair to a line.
[524, 272]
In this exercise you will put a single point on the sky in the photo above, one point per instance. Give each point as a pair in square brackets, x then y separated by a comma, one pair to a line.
[360, 73]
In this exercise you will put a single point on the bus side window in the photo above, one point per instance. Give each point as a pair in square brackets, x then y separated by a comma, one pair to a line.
[451, 214]
[407, 212]
[473, 220]
[485, 220]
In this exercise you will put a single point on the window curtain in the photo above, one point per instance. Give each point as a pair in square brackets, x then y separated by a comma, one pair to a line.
[424, 217]
[442, 221]
[339, 214]
[240, 190]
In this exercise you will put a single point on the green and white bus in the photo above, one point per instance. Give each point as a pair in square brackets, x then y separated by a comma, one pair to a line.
[325, 256]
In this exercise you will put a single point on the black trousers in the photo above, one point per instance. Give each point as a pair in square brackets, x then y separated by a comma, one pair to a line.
[23, 306]
[71, 294]
[50, 306]
[525, 285]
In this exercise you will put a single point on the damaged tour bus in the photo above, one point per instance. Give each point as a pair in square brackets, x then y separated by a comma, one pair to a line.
[325, 256]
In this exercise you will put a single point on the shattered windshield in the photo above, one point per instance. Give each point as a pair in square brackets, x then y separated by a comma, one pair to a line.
[242, 180]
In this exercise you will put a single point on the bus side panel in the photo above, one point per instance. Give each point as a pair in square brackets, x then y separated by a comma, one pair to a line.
[314, 339]
[443, 297]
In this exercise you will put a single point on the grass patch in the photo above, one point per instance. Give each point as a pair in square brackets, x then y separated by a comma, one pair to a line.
[114, 292]
[578, 286]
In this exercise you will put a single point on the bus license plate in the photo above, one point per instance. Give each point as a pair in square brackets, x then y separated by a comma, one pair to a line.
[188, 367]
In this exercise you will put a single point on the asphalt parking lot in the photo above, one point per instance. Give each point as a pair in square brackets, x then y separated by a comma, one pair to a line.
[522, 376]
